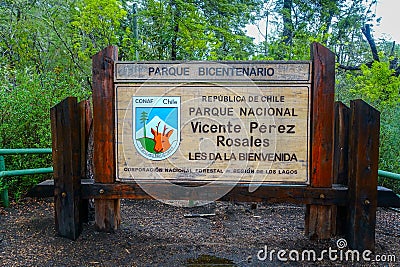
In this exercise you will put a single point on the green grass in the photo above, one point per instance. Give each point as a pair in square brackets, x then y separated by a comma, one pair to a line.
[147, 143]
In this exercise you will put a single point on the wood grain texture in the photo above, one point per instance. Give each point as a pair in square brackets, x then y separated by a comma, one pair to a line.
[214, 71]
[363, 175]
[322, 221]
[341, 144]
[322, 104]
[268, 194]
[85, 120]
[233, 158]
[66, 142]
[107, 211]
[341, 160]
[322, 115]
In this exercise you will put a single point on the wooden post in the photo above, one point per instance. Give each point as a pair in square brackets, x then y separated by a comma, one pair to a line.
[66, 142]
[107, 212]
[319, 220]
[363, 175]
[341, 159]
[85, 115]
[85, 119]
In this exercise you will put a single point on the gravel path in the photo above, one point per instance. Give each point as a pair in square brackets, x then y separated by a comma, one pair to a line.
[156, 234]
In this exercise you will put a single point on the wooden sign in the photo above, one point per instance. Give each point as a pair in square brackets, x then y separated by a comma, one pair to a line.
[223, 129]
[213, 121]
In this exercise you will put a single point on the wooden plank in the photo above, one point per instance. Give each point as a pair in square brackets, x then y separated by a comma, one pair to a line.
[42, 190]
[341, 159]
[85, 120]
[322, 115]
[387, 198]
[198, 71]
[107, 212]
[267, 194]
[363, 175]
[341, 144]
[321, 223]
[46, 189]
[67, 167]
[322, 105]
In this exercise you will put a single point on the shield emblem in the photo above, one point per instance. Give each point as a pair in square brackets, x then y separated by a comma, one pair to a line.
[156, 125]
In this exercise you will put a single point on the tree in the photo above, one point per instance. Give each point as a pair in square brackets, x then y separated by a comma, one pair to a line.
[143, 119]
[96, 24]
[211, 29]
[334, 23]
[287, 34]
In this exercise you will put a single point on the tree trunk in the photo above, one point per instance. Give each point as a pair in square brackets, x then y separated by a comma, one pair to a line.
[366, 30]
[287, 21]
[175, 16]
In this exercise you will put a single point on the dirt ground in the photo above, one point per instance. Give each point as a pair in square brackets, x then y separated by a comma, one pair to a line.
[156, 234]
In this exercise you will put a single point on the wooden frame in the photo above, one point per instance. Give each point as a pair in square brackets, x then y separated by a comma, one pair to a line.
[338, 135]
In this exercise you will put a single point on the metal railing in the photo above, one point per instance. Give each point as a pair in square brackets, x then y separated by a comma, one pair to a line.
[3, 173]
[391, 175]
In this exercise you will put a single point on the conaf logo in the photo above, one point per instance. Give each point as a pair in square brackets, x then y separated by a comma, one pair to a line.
[156, 124]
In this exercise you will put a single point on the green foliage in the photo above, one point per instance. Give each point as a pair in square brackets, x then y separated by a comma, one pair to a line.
[46, 47]
[381, 88]
[378, 84]
[389, 145]
[202, 30]
[95, 24]
[2, 184]
[334, 23]
[25, 100]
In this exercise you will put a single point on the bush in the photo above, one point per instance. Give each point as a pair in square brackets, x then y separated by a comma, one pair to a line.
[380, 88]
[25, 100]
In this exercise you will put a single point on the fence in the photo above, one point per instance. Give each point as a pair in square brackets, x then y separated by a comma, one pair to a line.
[390, 175]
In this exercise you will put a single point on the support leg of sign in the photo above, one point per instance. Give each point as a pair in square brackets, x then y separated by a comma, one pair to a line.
[107, 212]
[320, 222]
[363, 175]
[65, 128]
[341, 159]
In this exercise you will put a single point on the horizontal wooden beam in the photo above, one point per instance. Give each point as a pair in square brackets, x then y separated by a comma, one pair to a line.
[270, 194]
[46, 188]
[387, 198]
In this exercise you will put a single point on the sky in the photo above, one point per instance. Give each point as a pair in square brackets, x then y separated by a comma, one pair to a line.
[389, 24]
[388, 27]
